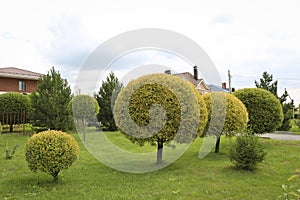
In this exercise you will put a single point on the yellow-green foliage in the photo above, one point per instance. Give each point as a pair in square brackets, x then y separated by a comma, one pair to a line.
[236, 117]
[202, 109]
[265, 111]
[158, 89]
[51, 151]
[83, 106]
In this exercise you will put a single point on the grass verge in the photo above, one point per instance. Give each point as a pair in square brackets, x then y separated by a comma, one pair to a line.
[212, 177]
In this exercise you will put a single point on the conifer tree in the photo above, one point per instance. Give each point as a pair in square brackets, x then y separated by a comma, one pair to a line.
[50, 103]
[106, 97]
[267, 83]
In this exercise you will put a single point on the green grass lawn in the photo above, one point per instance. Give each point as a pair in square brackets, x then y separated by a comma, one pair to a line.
[212, 177]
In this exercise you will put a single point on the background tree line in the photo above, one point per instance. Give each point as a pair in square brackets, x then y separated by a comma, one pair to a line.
[267, 83]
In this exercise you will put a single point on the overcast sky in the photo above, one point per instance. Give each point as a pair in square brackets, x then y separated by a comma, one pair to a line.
[245, 37]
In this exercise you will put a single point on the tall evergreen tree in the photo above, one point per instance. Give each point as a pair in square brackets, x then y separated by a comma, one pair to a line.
[266, 82]
[50, 103]
[106, 97]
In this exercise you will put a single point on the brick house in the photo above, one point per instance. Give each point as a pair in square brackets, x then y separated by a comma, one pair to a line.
[18, 80]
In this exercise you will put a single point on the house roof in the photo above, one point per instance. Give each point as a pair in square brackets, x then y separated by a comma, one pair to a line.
[216, 88]
[189, 77]
[12, 72]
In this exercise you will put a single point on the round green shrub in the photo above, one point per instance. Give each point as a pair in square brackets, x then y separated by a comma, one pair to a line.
[83, 106]
[246, 152]
[264, 109]
[146, 96]
[14, 108]
[51, 151]
[236, 116]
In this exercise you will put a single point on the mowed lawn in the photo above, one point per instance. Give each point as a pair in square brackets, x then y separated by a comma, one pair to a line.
[212, 177]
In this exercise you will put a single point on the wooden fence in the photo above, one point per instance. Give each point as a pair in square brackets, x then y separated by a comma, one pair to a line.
[8, 119]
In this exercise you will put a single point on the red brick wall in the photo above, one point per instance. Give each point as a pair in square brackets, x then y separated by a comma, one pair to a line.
[12, 85]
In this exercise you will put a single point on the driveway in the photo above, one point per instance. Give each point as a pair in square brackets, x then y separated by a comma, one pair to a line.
[281, 135]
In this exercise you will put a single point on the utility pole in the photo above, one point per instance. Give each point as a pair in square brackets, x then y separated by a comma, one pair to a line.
[229, 81]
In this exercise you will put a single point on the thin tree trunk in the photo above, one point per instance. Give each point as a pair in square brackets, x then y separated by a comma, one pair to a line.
[160, 146]
[218, 144]
[83, 126]
[55, 176]
[11, 127]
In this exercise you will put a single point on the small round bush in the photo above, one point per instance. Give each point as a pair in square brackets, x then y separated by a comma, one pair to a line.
[51, 151]
[246, 152]
[264, 109]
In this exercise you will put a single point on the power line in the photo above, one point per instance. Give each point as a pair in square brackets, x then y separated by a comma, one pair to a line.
[253, 77]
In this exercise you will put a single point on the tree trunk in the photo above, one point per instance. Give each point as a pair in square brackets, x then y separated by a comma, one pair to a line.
[55, 176]
[11, 127]
[218, 144]
[160, 146]
[83, 126]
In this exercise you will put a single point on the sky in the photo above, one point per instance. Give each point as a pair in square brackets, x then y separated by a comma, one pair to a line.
[245, 37]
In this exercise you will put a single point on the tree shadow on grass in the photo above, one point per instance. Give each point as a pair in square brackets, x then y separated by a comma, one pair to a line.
[33, 181]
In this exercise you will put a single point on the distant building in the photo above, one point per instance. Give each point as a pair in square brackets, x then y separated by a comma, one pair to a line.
[199, 83]
[18, 80]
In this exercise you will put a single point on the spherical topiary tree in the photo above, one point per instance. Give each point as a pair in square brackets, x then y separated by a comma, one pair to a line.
[83, 107]
[159, 108]
[264, 109]
[51, 151]
[14, 108]
[234, 119]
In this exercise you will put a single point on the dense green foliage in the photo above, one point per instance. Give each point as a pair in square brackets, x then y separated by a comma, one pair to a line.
[138, 101]
[264, 109]
[51, 151]
[246, 152]
[266, 82]
[106, 97]
[287, 117]
[50, 103]
[14, 108]
[83, 107]
[236, 116]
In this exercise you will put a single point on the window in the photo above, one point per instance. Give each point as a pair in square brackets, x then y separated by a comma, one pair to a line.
[22, 85]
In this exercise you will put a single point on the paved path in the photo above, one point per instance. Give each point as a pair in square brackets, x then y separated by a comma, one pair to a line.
[282, 136]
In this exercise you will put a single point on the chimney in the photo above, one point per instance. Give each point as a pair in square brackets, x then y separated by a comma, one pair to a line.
[195, 72]
[224, 85]
[168, 71]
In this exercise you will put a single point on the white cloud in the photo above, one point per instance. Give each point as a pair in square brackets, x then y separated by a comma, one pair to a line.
[247, 37]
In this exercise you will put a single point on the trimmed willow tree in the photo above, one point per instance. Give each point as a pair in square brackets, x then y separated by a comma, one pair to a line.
[14, 108]
[84, 107]
[264, 109]
[158, 109]
[233, 112]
